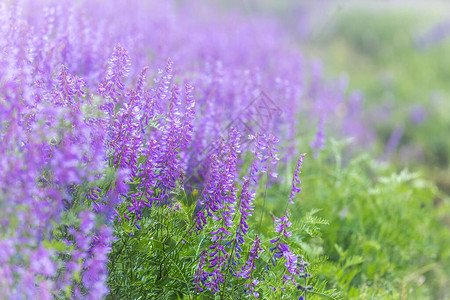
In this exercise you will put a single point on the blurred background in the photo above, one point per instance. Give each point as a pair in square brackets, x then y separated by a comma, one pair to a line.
[397, 53]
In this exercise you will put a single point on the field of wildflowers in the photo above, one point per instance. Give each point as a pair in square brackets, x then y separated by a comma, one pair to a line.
[191, 150]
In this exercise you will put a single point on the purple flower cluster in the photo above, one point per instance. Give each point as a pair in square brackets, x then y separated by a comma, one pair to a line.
[219, 196]
[296, 179]
[81, 126]
[220, 204]
[201, 274]
[246, 209]
[249, 265]
[90, 247]
[281, 226]
[226, 256]
[118, 68]
[266, 154]
[280, 249]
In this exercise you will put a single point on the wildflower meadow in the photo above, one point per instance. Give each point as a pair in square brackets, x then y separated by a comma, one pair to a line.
[216, 150]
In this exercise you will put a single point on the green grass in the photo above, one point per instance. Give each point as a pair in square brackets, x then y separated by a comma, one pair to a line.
[386, 237]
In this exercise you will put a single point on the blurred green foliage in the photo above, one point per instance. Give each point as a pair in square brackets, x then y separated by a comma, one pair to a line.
[379, 48]
[388, 234]
[387, 238]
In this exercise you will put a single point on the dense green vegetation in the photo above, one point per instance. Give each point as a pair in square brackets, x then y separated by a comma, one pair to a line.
[390, 233]
[386, 237]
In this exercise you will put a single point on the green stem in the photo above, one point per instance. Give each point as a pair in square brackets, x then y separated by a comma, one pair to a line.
[265, 196]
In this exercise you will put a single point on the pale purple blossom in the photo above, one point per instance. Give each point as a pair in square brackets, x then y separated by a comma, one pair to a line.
[296, 179]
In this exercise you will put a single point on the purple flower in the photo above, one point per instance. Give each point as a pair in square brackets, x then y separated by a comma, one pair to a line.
[219, 204]
[249, 265]
[296, 180]
[68, 89]
[71, 118]
[251, 287]
[282, 224]
[118, 69]
[319, 139]
[417, 115]
[394, 141]
[282, 250]
[41, 263]
[219, 195]
[246, 206]
[266, 153]
[201, 274]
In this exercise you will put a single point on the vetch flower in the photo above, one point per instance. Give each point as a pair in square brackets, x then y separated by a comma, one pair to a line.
[282, 224]
[296, 179]
[249, 265]
[319, 139]
[118, 69]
